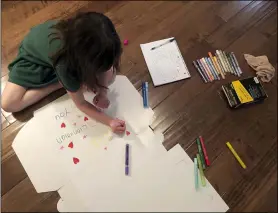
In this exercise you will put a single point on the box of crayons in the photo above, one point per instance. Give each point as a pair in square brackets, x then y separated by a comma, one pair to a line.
[245, 91]
[216, 67]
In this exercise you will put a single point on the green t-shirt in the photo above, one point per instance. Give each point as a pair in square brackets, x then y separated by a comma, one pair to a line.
[33, 67]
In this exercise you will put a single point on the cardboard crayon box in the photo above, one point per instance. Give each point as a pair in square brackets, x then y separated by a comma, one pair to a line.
[245, 91]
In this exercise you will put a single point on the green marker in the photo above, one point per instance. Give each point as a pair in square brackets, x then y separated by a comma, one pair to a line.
[201, 171]
[201, 153]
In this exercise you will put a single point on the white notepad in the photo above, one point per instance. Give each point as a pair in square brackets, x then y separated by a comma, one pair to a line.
[165, 63]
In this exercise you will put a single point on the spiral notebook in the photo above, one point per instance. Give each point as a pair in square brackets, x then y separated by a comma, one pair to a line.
[164, 61]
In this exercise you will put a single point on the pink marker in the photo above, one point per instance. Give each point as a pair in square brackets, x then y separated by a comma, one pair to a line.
[204, 150]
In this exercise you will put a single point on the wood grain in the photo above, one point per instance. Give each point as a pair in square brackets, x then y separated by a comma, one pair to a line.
[183, 110]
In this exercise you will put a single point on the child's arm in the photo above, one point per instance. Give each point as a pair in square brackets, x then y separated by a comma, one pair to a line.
[117, 126]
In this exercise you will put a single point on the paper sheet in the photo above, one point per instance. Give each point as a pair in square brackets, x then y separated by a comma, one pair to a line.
[165, 63]
[164, 185]
[159, 180]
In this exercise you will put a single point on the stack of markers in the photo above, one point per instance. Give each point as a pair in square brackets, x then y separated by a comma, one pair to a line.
[213, 67]
[201, 161]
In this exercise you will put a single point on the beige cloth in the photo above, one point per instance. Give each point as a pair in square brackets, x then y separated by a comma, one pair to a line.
[261, 65]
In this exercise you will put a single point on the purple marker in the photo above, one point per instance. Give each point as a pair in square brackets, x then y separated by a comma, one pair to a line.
[127, 159]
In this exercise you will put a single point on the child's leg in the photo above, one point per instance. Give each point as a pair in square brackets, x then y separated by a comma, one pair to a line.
[16, 98]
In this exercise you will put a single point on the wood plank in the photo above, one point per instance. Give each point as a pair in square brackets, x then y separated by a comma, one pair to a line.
[12, 174]
[20, 10]
[252, 183]
[24, 198]
[268, 25]
[240, 23]
[8, 136]
[231, 8]
[266, 199]
[4, 122]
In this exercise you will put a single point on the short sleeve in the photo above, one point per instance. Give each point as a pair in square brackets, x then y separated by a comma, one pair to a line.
[69, 82]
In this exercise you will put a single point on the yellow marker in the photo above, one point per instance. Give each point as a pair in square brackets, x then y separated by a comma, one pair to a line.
[201, 170]
[236, 155]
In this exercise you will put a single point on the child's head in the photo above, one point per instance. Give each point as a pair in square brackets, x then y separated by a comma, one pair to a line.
[90, 46]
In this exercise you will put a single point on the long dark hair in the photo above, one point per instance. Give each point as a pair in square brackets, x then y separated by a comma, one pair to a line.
[90, 46]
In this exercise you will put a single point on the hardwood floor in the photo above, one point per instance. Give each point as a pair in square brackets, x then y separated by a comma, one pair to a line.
[183, 110]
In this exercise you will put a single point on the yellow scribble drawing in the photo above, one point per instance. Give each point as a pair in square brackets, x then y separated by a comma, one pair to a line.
[96, 142]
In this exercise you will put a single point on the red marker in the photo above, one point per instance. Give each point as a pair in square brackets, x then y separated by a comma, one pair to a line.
[204, 150]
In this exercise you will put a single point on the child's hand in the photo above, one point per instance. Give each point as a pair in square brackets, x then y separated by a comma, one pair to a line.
[101, 101]
[117, 125]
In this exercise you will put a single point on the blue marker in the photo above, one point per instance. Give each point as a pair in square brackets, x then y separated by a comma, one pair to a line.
[145, 94]
[127, 159]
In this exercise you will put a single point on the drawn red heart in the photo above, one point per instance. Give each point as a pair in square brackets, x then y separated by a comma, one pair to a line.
[127, 133]
[75, 160]
[63, 125]
[85, 119]
[70, 145]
